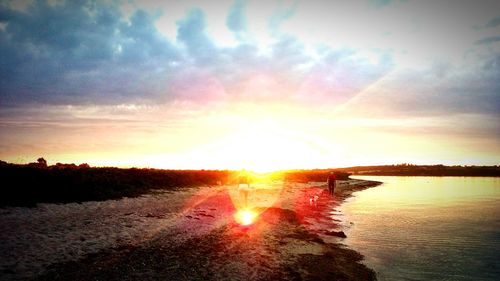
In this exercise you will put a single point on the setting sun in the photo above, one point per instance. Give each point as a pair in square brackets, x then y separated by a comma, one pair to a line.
[262, 148]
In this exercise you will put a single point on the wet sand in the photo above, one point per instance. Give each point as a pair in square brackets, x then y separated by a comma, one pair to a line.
[189, 234]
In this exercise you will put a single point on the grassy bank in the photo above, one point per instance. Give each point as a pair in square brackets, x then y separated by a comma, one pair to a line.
[27, 185]
[425, 170]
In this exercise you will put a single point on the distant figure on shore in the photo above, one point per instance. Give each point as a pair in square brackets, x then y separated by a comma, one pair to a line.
[331, 182]
[244, 186]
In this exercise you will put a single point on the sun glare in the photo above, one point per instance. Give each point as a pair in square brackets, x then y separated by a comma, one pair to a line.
[263, 149]
[245, 217]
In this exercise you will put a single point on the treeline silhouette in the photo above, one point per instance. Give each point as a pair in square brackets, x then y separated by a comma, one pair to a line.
[29, 184]
[32, 183]
[424, 170]
[315, 175]
[26, 185]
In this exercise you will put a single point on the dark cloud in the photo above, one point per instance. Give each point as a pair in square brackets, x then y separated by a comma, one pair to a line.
[488, 40]
[87, 52]
[494, 22]
[78, 51]
[191, 31]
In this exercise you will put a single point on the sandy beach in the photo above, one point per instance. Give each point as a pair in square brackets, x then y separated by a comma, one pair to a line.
[188, 234]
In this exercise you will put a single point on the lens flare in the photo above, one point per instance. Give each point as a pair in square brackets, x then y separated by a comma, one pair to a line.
[245, 217]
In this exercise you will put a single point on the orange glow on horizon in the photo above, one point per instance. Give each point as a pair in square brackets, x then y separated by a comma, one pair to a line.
[264, 146]
[262, 138]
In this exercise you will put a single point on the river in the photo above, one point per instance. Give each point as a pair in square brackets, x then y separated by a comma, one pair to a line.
[427, 228]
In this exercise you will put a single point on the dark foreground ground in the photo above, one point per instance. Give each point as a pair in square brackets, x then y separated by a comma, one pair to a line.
[227, 253]
[291, 239]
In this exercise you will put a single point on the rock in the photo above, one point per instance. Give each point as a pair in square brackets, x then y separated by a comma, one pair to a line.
[340, 234]
[151, 215]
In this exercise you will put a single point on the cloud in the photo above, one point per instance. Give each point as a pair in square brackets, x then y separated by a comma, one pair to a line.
[494, 22]
[492, 67]
[236, 19]
[197, 85]
[380, 3]
[78, 52]
[281, 13]
[341, 75]
[423, 93]
[488, 40]
[191, 32]
[74, 53]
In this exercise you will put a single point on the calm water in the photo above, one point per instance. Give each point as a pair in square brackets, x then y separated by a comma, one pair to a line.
[427, 228]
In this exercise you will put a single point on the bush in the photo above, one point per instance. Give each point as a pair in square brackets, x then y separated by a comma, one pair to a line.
[26, 185]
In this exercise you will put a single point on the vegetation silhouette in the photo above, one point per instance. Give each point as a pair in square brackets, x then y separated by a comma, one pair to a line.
[32, 183]
[26, 185]
[406, 169]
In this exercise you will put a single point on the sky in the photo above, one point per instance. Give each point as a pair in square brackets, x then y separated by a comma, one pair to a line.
[261, 85]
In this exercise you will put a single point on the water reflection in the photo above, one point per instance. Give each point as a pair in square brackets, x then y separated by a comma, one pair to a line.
[428, 228]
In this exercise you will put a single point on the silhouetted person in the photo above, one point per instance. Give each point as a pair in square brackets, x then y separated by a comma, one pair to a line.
[331, 182]
[244, 186]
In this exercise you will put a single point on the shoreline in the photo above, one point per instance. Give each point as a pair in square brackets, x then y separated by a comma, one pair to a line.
[191, 234]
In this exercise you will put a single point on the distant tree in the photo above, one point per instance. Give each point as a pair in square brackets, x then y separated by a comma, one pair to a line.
[84, 165]
[42, 162]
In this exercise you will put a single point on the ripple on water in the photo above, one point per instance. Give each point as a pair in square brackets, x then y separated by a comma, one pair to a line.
[428, 228]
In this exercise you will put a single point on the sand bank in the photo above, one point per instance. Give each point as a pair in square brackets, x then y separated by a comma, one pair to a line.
[186, 234]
